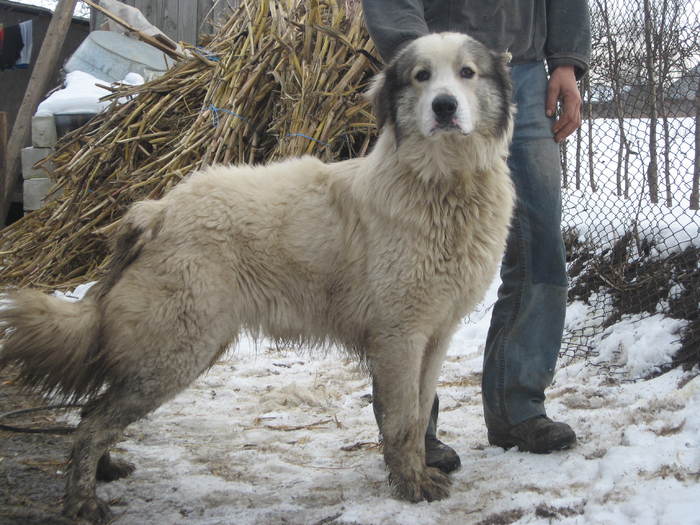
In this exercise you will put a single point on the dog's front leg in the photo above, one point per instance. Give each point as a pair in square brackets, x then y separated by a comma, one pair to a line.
[396, 369]
[430, 372]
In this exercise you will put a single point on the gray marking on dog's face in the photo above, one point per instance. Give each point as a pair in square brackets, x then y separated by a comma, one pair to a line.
[444, 83]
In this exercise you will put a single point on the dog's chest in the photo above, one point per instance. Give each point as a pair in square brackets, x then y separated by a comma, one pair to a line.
[461, 248]
[445, 254]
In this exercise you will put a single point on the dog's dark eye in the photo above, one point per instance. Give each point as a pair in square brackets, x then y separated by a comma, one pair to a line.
[423, 75]
[466, 72]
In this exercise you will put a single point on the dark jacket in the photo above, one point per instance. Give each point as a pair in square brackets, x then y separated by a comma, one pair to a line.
[11, 48]
[532, 30]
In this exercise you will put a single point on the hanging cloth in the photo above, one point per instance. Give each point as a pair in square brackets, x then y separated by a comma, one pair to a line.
[12, 47]
[25, 56]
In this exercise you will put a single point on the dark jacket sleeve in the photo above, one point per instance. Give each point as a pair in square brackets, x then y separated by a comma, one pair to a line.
[394, 23]
[568, 35]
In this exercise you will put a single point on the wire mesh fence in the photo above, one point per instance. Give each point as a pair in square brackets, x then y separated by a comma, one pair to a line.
[631, 174]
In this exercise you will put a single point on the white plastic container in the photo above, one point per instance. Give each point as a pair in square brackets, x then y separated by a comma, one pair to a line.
[110, 56]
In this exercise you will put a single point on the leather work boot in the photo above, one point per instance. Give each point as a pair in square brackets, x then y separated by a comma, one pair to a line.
[440, 456]
[539, 435]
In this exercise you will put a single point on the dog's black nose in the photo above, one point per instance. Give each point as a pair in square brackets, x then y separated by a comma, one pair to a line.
[444, 107]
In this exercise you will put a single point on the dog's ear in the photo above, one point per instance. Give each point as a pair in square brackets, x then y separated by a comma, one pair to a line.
[501, 61]
[378, 94]
[504, 84]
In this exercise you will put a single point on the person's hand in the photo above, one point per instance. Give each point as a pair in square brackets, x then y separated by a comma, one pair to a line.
[562, 87]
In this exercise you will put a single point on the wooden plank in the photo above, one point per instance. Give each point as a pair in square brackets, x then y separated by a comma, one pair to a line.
[187, 21]
[204, 17]
[157, 10]
[46, 63]
[169, 18]
[151, 9]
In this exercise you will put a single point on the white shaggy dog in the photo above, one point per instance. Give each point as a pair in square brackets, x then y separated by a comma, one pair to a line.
[382, 255]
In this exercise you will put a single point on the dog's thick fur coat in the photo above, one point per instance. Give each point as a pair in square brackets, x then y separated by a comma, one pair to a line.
[382, 255]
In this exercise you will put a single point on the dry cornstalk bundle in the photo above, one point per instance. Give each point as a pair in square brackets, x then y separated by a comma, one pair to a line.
[280, 78]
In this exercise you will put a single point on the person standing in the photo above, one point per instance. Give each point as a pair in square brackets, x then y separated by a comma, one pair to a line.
[524, 338]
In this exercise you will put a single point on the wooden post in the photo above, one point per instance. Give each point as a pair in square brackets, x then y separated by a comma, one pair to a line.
[46, 63]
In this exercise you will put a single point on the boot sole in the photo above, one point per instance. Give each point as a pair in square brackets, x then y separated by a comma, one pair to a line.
[510, 442]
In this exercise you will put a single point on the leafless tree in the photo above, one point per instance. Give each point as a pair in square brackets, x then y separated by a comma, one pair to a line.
[695, 192]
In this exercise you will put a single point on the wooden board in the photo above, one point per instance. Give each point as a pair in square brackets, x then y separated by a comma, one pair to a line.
[187, 21]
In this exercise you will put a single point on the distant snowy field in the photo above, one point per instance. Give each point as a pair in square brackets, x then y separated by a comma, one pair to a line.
[226, 450]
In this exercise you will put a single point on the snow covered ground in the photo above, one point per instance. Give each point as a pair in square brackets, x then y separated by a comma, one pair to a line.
[260, 439]
[602, 217]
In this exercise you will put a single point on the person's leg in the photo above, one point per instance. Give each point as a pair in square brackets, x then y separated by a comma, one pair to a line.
[437, 453]
[528, 318]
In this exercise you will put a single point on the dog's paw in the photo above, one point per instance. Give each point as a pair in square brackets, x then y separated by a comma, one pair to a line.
[110, 469]
[87, 510]
[429, 484]
[437, 486]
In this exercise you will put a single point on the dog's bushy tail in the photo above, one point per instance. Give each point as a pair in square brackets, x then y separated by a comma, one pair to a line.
[53, 343]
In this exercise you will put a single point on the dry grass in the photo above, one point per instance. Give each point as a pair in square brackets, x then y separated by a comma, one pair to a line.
[281, 78]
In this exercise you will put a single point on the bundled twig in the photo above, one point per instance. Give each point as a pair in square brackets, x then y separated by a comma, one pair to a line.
[280, 78]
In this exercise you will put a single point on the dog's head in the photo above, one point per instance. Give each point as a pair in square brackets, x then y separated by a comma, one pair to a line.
[444, 83]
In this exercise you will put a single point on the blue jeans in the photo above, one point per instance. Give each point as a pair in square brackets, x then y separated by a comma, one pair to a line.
[527, 323]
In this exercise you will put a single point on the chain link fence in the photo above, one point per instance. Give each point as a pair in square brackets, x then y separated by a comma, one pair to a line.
[631, 174]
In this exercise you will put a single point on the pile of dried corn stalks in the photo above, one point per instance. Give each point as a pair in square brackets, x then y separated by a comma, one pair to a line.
[280, 78]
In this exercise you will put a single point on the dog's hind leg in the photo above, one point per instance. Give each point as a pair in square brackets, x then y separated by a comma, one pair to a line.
[105, 418]
[395, 363]
[101, 425]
